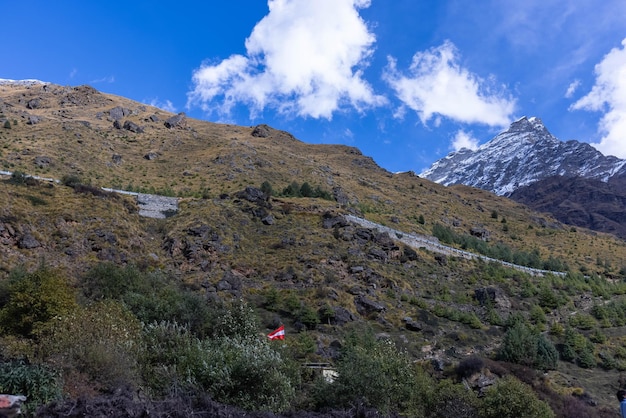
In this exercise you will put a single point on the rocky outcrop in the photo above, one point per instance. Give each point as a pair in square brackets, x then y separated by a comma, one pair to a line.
[133, 127]
[261, 131]
[177, 121]
[119, 113]
[494, 297]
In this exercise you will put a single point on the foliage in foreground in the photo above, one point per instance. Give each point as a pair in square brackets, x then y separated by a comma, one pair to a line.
[108, 338]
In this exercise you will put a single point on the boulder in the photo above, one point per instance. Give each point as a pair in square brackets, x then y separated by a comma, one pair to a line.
[133, 127]
[33, 104]
[365, 306]
[28, 242]
[254, 195]
[341, 316]
[118, 113]
[43, 161]
[177, 121]
[33, 120]
[412, 325]
[340, 196]
[481, 233]
[261, 131]
[492, 296]
[229, 282]
[331, 221]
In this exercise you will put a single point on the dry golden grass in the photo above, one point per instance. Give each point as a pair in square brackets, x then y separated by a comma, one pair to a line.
[209, 158]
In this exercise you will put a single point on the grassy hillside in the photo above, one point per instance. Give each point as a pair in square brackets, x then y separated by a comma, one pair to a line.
[293, 260]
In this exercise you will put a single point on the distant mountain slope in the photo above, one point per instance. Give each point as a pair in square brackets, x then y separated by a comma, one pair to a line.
[578, 201]
[523, 154]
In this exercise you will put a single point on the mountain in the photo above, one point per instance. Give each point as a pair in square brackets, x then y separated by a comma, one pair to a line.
[522, 155]
[578, 201]
[93, 291]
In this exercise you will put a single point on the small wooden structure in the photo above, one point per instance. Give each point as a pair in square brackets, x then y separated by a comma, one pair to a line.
[324, 369]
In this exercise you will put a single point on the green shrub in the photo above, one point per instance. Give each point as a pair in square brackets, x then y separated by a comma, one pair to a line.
[306, 190]
[245, 371]
[376, 373]
[242, 370]
[266, 188]
[18, 178]
[151, 296]
[452, 400]
[167, 346]
[547, 354]
[236, 319]
[71, 180]
[510, 398]
[524, 345]
[101, 341]
[35, 299]
[578, 349]
[39, 383]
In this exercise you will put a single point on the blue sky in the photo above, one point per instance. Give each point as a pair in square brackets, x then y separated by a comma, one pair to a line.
[405, 81]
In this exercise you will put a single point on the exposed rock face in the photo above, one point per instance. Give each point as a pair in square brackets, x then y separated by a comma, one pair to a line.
[254, 195]
[177, 121]
[133, 127]
[365, 306]
[480, 232]
[28, 242]
[158, 207]
[412, 325]
[119, 113]
[492, 296]
[152, 155]
[261, 131]
[33, 103]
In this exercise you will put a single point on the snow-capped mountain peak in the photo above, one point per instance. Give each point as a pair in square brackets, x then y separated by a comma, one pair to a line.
[523, 154]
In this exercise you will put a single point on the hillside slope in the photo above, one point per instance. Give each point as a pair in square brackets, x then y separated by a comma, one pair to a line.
[297, 260]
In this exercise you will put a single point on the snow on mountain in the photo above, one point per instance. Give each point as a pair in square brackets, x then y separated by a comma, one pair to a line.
[521, 155]
[27, 82]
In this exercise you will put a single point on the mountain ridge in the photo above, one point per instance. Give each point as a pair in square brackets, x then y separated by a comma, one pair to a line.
[523, 154]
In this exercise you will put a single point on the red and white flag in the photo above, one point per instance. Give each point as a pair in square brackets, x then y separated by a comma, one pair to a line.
[277, 334]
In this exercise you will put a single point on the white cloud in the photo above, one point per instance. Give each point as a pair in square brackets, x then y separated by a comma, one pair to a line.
[166, 105]
[436, 85]
[108, 79]
[305, 58]
[464, 139]
[571, 89]
[608, 95]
